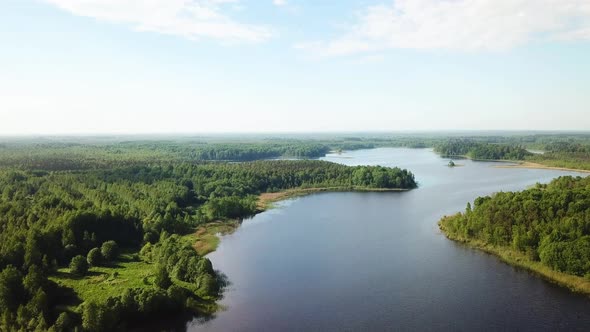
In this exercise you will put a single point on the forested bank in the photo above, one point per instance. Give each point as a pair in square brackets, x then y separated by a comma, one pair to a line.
[567, 150]
[559, 152]
[546, 228]
[94, 233]
[481, 151]
[567, 154]
[78, 154]
[103, 249]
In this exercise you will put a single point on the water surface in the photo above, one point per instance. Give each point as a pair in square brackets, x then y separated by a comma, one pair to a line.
[377, 261]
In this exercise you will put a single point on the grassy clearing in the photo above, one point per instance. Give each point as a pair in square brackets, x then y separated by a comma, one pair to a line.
[104, 281]
[535, 165]
[519, 259]
[206, 238]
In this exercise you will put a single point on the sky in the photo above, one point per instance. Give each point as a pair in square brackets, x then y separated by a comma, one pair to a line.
[211, 66]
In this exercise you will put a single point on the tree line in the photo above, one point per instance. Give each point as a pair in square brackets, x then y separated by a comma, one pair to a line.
[564, 150]
[482, 151]
[52, 220]
[565, 153]
[549, 223]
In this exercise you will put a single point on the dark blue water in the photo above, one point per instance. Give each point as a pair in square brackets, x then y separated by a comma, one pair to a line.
[377, 261]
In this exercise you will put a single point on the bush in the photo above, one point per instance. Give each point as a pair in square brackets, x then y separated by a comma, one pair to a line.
[63, 323]
[94, 257]
[11, 288]
[162, 278]
[109, 250]
[79, 265]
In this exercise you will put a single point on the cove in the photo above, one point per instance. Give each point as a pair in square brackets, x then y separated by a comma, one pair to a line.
[377, 261]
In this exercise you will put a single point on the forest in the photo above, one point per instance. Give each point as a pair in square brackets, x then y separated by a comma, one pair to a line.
[93, 153]
[481, 151]
[568, 150]
[549, 223]
[105, 248]
[96, 231]
[560, 151]
[564, 153]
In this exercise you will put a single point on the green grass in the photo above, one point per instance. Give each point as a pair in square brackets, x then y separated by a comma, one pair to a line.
[104, 281]
[206, 237]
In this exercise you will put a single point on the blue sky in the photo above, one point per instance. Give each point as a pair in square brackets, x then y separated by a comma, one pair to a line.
[187, 66]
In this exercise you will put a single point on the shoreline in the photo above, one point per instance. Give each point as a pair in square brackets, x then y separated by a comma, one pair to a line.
[206, 238]
[520, 260]
[521, 164]
[265, 200]
[531, 165]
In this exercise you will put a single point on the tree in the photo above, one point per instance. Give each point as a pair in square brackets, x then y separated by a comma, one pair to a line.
[162, 278]
[177, 295]
[79, 265]
[208, 285]
[32, 250]
[7, 320]
[94, 257]
[63, 323]
[11, 288]
[38, 303]
[109, 250]
[92, 317]
[34, 279]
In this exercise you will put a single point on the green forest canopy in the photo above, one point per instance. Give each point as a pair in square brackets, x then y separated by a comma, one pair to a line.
[54, 219]
[65, 201]
[549, 223]
[570, 150]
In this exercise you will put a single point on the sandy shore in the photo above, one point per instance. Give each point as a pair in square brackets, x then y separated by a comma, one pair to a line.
[527, 164]
[265, 200]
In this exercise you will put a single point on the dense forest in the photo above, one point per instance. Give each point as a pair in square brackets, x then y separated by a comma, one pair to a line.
[95, 230]
[103, 249]
[564, 153]
[549, 223]
[560, 151]
[69, 153]
[482, 151]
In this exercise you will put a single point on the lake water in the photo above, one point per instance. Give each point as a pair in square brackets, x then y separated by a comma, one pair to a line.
[377, 261]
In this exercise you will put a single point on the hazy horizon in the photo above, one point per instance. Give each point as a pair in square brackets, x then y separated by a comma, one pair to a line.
[311, 135]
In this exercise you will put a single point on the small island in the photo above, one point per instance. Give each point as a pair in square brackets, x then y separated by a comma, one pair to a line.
[453, 164]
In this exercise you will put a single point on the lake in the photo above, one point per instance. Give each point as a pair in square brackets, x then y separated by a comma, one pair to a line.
[377, 261]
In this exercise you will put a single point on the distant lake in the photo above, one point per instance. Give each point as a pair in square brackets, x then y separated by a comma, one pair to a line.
[377, 261]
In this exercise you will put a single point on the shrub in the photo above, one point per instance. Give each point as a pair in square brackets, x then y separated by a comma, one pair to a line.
[79, 265]
[94, 257]
[162, 278]
[109, 250]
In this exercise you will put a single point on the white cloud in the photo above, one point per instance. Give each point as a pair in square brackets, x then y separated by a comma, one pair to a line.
[460, 25]
[279, 2]
[192, 19]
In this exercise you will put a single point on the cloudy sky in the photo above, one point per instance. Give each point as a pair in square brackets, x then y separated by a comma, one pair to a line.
[188, 66]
